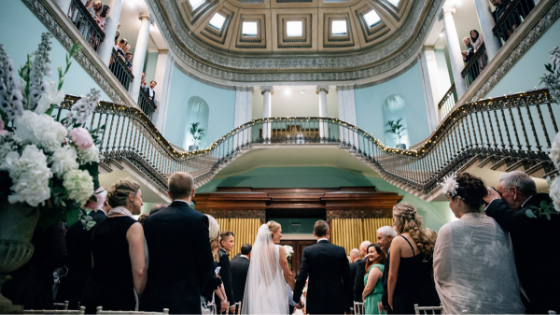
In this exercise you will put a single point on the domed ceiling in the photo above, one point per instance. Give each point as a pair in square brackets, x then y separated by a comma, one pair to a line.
[225, 41]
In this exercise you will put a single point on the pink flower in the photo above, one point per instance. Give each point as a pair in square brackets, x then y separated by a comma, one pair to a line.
[2, 131]
[81, 138]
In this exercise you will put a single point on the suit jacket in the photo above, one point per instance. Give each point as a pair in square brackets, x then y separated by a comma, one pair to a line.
[353, 270]
[225, 273]
[535, 246]
[239, 268]
[330, 285]
[180, 259]
[151, 93]
[359, 280]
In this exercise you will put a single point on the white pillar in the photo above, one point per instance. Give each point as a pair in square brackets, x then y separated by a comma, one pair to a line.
[64, 5]
[163, 77]
[429, 97]
[243, 113]
[266, 91]
[322, 91]
[140, 54]
[106, 46]
[487, 23]
[346, 111]
[457, 64]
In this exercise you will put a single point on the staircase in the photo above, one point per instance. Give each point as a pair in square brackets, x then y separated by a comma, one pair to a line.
[503, 134]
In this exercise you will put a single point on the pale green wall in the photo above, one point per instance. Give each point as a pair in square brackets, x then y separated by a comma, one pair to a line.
[21, 35]
[221, 103]
[435, 214]
[150, 66]
[526, 73]
[369, 101]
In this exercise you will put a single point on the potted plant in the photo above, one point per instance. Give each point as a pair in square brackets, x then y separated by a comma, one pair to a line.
[197, 134]
[396, 128]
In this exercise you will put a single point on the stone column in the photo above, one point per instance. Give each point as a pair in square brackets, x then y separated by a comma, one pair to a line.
[163, 77]
[267, 91]
[243, 113]
[429, 85]
[140, 54]
[487, 23]
[322, 91]
[64, 5]
[346, 111]
[457, 64]
[106, 46]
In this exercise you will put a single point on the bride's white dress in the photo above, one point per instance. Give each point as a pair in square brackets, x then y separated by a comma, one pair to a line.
[265, 288]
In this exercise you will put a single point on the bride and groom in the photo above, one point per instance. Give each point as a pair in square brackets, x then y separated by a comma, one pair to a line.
[326, 265]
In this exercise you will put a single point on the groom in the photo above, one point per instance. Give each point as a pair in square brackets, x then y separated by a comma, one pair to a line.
[330, 285]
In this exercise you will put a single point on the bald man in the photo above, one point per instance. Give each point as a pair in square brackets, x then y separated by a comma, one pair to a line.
[180, 256]
[355, 259]
[360, 272]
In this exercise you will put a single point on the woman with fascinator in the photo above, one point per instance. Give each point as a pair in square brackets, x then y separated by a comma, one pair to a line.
[474, 268]
[265, 289]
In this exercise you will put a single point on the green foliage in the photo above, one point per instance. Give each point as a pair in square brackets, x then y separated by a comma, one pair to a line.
[396, 128]
[24, 72]
[545, 209]
[196, 132]
[74, 51]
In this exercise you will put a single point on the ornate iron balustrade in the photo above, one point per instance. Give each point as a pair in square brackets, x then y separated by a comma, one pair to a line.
[448, 101]
[120, 70]
[85, 23]
[511, 129]
[475, 66]
[147, 105]
[511, 18]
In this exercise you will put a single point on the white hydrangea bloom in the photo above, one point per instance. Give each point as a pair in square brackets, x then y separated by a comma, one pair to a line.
[41, 130]
[64, 160]
[554, 193]
[30, 176]
[51, 96]
[88, 155]
[79, 185]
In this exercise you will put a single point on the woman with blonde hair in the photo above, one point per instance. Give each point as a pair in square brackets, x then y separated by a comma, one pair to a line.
[117, 246]
[214, 284]
[410, 267]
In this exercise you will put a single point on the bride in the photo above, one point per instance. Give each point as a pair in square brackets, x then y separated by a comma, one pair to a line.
[265, 289]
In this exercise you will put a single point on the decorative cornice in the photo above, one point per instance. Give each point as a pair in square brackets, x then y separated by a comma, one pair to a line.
[236, 214]
[359, 214]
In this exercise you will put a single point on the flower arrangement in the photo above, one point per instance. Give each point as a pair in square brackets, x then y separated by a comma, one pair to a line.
[552, 80]
[45, 162]
[289, 253]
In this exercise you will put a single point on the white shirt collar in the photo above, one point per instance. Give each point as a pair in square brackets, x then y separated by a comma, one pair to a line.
[523, 205]
[244, 256]
[322, 239]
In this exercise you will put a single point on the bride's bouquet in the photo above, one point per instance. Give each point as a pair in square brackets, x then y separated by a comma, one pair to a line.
[289, 253]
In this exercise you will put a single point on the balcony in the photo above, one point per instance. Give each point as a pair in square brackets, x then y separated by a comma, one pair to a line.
[120, 70]
[85, 23]
[476, 64]
[146, 104]
[511, 18]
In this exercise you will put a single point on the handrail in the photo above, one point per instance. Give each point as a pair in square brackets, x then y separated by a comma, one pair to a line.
[448, 101]
[509, 21]
[493, 128]
[78, 13]
[120, 69]
[147, 105]
[473, 67]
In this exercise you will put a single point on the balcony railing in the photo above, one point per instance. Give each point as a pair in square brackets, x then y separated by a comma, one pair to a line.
[120, 70]
[447, 102]
[512, 17]
[147, 106]
[85, 23]
[475, 66]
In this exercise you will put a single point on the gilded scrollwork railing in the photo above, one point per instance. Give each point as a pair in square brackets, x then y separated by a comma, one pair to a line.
[515, 129]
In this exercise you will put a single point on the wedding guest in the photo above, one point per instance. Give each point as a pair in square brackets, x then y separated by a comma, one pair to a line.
[373, 291]
[117, 246]
[474, 269]
[101, 17]
[411, 260]
[214, 286]
[128, 56]
[96, 9]
[158, 206]
[122, 43]
[150, 91]
[142, 218]
[226, 245]
[78, 246]
[355, 258]
[469, 53]
[143, 83]
[180, 255]
[385, 236]
[514, 206]
[477, 41]
[239, 268]
[361, 273]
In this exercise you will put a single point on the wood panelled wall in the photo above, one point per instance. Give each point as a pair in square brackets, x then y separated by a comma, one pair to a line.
[349, 233]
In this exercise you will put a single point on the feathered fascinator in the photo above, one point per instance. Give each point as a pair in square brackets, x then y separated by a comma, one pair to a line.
[450, 185]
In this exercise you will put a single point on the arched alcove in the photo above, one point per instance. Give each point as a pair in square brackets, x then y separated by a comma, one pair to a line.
[393, 110]
[197, 111]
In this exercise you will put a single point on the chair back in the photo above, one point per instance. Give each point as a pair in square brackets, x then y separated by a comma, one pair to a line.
[101, 311]
[82, 310]
[237, 308]
[358, 307]
[427, 309]
[61, 306]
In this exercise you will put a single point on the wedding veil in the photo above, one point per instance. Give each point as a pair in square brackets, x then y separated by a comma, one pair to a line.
[265, 288]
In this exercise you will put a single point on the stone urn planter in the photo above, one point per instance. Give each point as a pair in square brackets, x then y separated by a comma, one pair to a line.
[17, 225]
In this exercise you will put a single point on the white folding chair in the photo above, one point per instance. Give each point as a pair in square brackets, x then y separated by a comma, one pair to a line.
[61, 306]
[551, 312]
[427, 309]
[358, 307]
[101, 311]
[82, 310]
[237, 308]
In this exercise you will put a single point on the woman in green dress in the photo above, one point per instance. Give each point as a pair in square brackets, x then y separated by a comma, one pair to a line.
[373, 283]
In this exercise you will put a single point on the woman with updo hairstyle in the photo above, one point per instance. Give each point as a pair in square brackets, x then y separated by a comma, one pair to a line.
[410, 267]
[474, 267]
[119, 269]
[214, 285]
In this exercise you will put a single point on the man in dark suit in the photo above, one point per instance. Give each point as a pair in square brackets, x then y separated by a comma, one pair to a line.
[360, 273]
[239, 268]
[330, 285]
[78, 247]
[534, 237]
[355, 258]
[180, 255]
[150, 91]
[227, 241]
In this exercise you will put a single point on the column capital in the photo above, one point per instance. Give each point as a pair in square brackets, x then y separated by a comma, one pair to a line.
[448, 10]
[322, 88]
[146, 15]
[265, 89]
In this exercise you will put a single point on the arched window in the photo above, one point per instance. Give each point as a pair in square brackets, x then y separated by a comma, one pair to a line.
[394, 110]
[197, 112]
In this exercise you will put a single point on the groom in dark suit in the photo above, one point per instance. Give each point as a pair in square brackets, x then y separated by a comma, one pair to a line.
[330, 285]
[180, 256]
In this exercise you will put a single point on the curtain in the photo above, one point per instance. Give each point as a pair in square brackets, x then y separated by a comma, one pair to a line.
[350, 233]
[245, 231]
